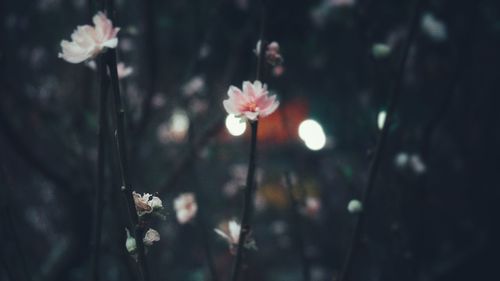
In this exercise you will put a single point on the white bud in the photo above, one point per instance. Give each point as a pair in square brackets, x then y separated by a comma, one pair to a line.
[130, 243]
[355, 206]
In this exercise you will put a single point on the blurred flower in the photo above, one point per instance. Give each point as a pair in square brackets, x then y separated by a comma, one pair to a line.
[312, 206]
[355, 206]
[339, 3]
[146, 203]
[381, 50]
[130, 242]
[158, 100]
[175, 129]
[193, 86]
[278, 70]
[401, 160]
[123, 71]
[232, 236]
[251, 103]
[150, 237]
[88, 41]
[416, 164]
[433, 27]
[185, 206]
[273, 54]
[404, 160]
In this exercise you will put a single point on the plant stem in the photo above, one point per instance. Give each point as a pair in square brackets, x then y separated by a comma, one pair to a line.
[296, 224]
[98, 200]
[375, 164]
[206, 244]
[248, 202]
[121, 148]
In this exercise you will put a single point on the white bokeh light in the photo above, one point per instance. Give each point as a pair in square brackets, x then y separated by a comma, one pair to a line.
[234, 126]
[179, 122]
[311, 132]
[381, 119]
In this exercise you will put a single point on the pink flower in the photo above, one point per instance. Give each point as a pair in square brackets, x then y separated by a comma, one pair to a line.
[251, 103]
[88, 41]
[185, 206]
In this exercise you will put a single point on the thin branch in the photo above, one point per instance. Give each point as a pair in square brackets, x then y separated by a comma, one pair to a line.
[101, 152]
[375, 164]
[121, 148]
[296, 224]
[247, 204]
[10, 227]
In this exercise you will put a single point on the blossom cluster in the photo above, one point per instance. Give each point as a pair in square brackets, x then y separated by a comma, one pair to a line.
[145, 205]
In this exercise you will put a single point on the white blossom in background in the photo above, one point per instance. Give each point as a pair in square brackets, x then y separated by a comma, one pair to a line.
[175, 129]
[150, 237]
[193, 86]
[185, 207]
[355, 206]
[232, 237]
[89, 41]
[123, 70]
[433, 27]
[412, 162]
[273, 54]
[417, 165]
[312, 206]
[401, 160]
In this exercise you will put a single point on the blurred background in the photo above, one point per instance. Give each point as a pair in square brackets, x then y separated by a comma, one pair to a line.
[430, 216]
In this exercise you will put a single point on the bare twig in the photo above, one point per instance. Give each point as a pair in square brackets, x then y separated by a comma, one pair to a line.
[296, 224]
[101, 152]
[247, 204]
[121, 148]
[375, 164]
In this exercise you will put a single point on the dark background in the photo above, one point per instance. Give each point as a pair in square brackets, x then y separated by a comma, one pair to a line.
[437, 225]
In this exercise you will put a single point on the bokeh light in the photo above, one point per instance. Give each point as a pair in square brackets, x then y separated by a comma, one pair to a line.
[311, 132]
[234, 125]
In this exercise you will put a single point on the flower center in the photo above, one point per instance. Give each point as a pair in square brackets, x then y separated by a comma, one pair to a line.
[251, 106]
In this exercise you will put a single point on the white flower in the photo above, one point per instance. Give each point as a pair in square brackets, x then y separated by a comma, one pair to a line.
[150, 237]
[185, 207]
[355, 206]
[88, 41]
[232, 237]
[146, 203]
[155, 203]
